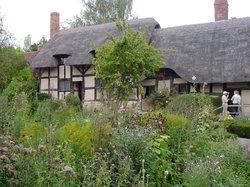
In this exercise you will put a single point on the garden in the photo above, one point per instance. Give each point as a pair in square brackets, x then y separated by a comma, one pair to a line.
[48, 142]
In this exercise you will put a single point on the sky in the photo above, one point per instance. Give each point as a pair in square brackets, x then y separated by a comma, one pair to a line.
[23, 17]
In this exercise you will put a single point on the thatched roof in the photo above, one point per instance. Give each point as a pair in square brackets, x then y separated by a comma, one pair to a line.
[212, 52]
[78, 43]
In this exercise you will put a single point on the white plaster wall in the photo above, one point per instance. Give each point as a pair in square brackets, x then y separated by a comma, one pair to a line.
[217, 88]
[163, 84]
[61, 72]
[44, 84]
[179, 81]
[89, 95]
[53, 71]
[61, 95]
[67, 72]
[76, 79]
[76, 71]
[245, 96]
[44, 72]
[89, 81]
[53, 83]
[90, 70]
[54, 94]
[148, 82]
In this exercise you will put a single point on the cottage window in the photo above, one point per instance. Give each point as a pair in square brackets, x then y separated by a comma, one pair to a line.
[181, 88]
[64, 85]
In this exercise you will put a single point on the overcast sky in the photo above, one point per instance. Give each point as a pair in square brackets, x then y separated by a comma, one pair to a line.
[23, 17]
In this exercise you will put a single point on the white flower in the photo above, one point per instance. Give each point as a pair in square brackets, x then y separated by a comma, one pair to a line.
[166, 172]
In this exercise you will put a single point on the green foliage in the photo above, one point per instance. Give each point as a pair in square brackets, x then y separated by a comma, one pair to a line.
[190, 105]
[3, 111]
[160, 98]
[25, 81]
[79, 138]
[6, 38]
[239, 125]
[11, 62]
[47, 108]
[27, 43]
[216, 101]
[102, 11]
[28, 47]
[43, 96]
[31, 135]
[122, 61]
[72, 100]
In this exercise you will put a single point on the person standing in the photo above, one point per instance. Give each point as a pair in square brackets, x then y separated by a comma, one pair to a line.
[236, 99]
[224, 100]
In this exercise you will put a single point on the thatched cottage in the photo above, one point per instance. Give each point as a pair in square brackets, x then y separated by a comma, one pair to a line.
[216, 53]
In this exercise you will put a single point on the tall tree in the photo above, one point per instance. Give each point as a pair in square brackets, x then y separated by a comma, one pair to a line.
[11, 62]
[102, 11]
[11, 59]
[121, 63]
[33, 47]
[6, 38]
[27, 43]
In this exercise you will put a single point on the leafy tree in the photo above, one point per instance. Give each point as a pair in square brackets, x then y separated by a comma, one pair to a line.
[11, 62]
[102, 11]
[6, 38]
[121, 63]
[27, 43]
[24, 81]
[32, 47]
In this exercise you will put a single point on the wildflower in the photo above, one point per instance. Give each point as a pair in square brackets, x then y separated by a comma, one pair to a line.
[14, 159]
[42, 148]
[139, 134]
[166, 173]
[26, 151]
[57, 160]
[4, 159]
[4, 149]
[68, 170]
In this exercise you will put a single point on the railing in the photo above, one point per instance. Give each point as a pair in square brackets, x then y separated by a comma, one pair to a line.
[240, 111]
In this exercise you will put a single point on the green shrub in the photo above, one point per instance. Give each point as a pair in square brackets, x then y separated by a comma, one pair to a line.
[189, 105]
[78, 137]
[43, 96]
[33, 134]
[239, 125]
[160, 98]
[72, 100]
[25, 81]
[241, 129]
[47, 108]
[216, 101]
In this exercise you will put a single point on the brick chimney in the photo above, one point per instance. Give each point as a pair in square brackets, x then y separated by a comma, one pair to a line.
[54, 23]
[220, 10]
